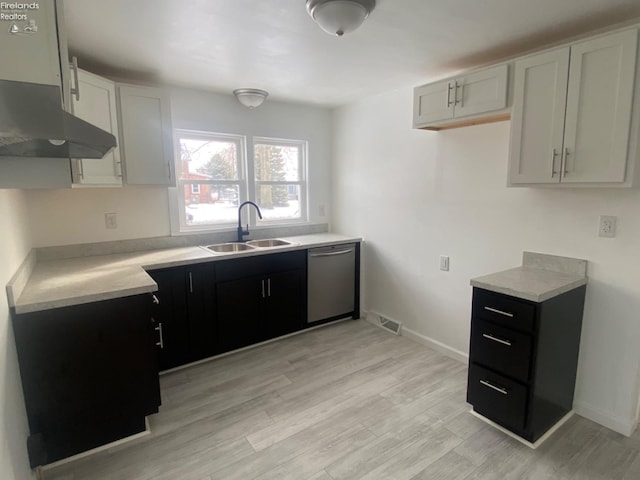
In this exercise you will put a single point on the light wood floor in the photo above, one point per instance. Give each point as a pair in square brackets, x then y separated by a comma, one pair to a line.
[344, 402]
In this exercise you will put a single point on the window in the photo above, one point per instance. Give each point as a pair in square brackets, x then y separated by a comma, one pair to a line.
[212, 180]
[279, 187]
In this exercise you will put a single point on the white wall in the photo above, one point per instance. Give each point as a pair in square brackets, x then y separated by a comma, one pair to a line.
[415, 195]
[74, 216]
[15, 245]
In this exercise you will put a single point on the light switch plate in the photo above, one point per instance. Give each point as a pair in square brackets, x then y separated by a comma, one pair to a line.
[444, 263]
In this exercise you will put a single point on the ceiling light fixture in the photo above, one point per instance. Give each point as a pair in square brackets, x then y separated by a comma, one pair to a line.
[251, 97]
[337, 17]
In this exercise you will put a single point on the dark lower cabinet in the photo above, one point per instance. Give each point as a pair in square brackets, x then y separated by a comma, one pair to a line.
[89, 374]
[523, 358]
[258, 298]
[184, 314]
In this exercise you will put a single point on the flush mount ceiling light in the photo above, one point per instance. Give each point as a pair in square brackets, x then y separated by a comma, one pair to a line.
[338, 17]
[251, 97]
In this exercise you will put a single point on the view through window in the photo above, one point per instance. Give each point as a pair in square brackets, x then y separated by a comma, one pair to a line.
[213, 181]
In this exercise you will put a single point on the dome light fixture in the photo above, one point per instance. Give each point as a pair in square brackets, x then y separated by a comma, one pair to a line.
[337, 17]
[251, 97]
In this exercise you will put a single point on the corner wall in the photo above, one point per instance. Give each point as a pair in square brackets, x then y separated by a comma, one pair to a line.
[415, 195]
[15, 244]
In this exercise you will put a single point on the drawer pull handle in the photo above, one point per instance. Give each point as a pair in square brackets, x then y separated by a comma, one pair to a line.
[158, 329]
[496, 339]
[495, 310]
[503, 391]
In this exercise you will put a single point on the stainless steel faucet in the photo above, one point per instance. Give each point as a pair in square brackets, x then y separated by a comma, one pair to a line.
[241, 232]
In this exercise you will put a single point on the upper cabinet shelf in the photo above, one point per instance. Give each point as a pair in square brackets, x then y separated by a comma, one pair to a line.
[477, 97]
[572, 114]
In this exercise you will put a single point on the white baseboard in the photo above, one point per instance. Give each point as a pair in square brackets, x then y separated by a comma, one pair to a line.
[462, 357]
[458, 355]
[622, 426]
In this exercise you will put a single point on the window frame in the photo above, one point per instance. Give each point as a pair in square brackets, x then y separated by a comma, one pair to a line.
[246, 182]
[241, 182]
[301, 182]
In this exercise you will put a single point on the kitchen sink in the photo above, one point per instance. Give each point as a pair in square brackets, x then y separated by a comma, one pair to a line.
[229, 247]
[269, 242]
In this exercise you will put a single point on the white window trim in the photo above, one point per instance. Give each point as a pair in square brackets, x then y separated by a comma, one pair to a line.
[246, 182]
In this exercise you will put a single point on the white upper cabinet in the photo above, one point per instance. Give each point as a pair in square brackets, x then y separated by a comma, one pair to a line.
[572, 112]
[95, 102]
[466, 96]
[146, 136]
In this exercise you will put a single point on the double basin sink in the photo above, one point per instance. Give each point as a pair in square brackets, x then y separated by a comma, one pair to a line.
[234, 247]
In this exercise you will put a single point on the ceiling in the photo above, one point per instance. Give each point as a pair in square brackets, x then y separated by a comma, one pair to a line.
[221, 45]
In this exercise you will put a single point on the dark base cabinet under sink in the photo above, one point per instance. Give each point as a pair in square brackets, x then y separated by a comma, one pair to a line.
[523, 358]
[89, 374]
[259, 298]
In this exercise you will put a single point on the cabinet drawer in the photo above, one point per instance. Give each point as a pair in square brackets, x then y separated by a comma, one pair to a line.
[504, 350]
[496, 397]
[503, 309]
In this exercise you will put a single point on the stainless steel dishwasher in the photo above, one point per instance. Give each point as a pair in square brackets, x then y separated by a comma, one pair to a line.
[332, 282]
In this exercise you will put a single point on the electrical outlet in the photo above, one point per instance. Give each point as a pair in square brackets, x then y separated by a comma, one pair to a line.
[444, 263]
[110, 220]
[607, 226]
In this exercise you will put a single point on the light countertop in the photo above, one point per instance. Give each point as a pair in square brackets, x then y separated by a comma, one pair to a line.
[540, 277]
[59, 283]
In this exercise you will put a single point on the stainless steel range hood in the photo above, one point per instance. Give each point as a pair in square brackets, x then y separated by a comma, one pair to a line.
[33, 124]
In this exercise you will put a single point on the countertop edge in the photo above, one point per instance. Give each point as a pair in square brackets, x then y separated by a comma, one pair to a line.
[33, 305]
[529, 295]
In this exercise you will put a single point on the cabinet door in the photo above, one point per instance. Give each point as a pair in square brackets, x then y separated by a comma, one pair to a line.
[97, 105]
[284, 304]
[598, 119]
[88, 373]
[481, 92]
[145, 136]
[201, 313]
[238, 309]
[537, 119]
[433, 102]
[170, 316]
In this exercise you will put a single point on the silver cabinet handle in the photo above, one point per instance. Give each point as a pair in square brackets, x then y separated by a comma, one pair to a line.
[263, 296]
[495, 310]
[331, 254]
[80, 169]
[159, 330]
[155, 300]
[496, 339]
[503, 391]
[190, 283]
[461, 96]
[268, 287]
[449, 88]
[74, 67]
[554, 155]
[563, 163]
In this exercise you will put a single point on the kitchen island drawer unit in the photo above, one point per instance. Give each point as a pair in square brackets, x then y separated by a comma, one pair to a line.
[522, 366]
